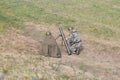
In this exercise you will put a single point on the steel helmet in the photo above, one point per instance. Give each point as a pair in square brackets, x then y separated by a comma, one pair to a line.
[48, 33]
[70, 28]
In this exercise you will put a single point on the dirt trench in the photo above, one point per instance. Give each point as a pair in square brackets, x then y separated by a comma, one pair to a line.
[90, 64]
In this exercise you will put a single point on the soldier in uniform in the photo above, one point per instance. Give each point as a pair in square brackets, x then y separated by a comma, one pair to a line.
[50, 47]
[74, 41]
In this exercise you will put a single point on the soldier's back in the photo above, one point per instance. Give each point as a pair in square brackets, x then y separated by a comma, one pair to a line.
[50, 47]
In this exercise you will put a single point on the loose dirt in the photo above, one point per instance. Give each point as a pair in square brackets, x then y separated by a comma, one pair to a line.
[20, 53]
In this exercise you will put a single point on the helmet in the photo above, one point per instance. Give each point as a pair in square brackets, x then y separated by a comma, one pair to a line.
[70, 28]
[48, 33]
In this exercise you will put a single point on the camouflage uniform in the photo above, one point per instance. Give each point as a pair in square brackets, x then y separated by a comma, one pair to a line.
[74, 42]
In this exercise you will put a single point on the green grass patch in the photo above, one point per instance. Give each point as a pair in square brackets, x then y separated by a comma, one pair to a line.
[81, 14]
[104, 32]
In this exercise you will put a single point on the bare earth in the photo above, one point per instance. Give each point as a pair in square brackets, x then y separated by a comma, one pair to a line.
[20, 59]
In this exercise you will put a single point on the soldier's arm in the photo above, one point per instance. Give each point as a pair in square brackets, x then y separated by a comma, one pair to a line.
[58, 36]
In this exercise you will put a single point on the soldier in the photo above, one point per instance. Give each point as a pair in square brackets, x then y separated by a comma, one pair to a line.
[74, 41]
[50, 47]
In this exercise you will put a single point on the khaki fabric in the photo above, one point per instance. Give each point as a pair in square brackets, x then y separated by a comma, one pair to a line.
[50, 47]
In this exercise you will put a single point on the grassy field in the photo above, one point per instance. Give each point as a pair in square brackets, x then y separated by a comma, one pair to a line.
[98, 23]
[91, 17]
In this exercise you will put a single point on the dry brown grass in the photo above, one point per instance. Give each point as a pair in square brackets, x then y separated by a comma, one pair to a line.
[20, 57]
